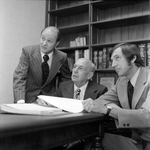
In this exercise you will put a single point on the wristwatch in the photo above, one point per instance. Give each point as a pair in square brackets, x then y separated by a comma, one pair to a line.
[109, 108]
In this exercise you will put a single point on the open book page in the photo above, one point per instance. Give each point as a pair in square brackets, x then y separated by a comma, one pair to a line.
[67, 104]
[29, 108]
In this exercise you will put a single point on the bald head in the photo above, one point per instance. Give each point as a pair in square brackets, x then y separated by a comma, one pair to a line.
[52, 29]
[49, 39]
[83, 71]
[88, 64]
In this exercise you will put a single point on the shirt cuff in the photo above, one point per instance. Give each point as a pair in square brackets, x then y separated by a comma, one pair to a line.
[21, 101]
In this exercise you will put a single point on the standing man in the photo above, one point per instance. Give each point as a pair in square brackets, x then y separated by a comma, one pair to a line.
[39, 67]
[127, 110]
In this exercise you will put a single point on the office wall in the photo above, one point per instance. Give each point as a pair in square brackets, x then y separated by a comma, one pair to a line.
[20, 24]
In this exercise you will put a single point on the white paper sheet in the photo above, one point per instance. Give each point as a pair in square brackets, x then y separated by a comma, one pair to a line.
[28, 108]
[67, 104]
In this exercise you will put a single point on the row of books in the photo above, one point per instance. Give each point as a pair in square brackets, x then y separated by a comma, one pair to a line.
[124, 33]
[82, 54]
[79, 41]
[145, 53]
[101, 57]
[131, 10]
[78, 54]
[76, 19]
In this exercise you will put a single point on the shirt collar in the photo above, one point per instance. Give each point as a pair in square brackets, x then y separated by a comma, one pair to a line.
[50, 55]
[83, 88]
[134, 78]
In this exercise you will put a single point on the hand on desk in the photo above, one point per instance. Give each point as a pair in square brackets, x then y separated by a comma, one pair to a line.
[93, 106]
[40, 102]
[88, 105]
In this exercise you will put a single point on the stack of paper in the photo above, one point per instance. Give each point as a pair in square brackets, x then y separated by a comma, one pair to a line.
[55, 106]
[28, 108]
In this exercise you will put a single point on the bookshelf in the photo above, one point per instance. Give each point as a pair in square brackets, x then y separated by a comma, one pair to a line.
[102, 24]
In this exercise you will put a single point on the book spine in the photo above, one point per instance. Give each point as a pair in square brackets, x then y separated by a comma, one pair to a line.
[104, 58]
[100, 59]
[142, 48]
[109, 63]
[148, 54]
[95, 59]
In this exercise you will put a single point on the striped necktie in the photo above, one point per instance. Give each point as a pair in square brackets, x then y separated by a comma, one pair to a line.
[77, 94]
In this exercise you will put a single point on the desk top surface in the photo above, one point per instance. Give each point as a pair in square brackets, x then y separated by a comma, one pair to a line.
[12, 122]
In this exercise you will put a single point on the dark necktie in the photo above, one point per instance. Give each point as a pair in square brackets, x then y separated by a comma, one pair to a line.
[45, 69]
[130, 92]
[77, 94]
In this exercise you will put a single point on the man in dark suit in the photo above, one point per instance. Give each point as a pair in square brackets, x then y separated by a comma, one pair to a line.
[28, 81]
[82, 72]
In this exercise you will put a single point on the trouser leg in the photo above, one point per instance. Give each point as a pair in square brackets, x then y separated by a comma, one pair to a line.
[118, 142]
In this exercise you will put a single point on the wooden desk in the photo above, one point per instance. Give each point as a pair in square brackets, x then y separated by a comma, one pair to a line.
[25, 132]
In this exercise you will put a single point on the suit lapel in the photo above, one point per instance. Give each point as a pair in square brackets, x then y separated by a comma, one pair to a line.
[55, 66]
[36, 62]
[141, 80]
[122, 92]
[69, 90]
[91, 91]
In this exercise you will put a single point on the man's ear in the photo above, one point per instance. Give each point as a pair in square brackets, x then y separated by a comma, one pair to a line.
[133, 60]
[90, 75]
[57, 44]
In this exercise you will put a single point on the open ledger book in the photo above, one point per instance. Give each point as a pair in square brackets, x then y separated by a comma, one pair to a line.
[55, 106]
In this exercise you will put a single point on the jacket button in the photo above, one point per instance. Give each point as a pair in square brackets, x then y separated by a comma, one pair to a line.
[124, 125]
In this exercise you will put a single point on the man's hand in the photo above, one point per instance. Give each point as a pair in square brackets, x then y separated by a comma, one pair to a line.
[40, 102]
[93, 106]
[88, 104]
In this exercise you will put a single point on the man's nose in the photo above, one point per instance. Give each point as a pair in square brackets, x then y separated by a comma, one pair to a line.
[113, 64]
[75, 69]
[44, 42]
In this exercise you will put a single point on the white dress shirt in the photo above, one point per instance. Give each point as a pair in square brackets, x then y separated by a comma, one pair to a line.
[50, 58]
[83, 88]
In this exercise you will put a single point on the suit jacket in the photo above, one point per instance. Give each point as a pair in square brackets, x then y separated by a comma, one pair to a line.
[93, 90]
[27, 80]
[137, 119]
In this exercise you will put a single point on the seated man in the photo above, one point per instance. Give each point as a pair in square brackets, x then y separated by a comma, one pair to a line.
[80, 86]
[128, 102]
